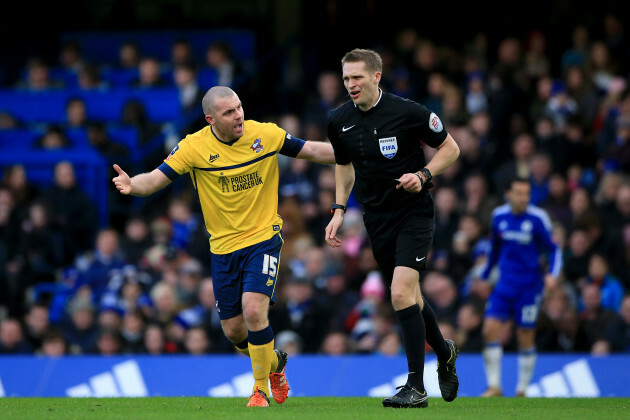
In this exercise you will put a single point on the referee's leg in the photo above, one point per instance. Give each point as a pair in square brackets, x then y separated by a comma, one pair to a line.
[405, 288]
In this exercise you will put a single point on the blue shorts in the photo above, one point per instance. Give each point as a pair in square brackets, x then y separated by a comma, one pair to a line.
[251, 269]
[519, 302]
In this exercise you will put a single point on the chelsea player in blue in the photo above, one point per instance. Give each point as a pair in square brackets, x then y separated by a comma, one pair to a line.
[520, 234]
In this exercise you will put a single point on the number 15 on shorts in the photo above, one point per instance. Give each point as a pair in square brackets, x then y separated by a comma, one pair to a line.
[270, 265]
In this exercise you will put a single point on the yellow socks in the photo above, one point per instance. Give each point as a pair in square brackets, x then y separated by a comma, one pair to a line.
[260, 344]
[243, 348]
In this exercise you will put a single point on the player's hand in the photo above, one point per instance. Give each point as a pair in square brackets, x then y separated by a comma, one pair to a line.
[332, 228]
[550, 281]
[122, 181]
[410, 182]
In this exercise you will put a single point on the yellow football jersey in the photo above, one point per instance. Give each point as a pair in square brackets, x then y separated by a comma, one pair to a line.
[237, 183]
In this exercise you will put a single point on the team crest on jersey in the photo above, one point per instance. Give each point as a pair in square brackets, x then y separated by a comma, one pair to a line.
[175, 149]
[257, 147]
[435, 124]
[388, 146]
[527, 226]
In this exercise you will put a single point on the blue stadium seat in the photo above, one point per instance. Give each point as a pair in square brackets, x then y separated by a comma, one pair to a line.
[50, 106]
[207, 78]
[119, 78]
[18, 139]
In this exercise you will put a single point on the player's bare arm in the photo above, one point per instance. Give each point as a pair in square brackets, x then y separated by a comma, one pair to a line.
[344, 180]
[317, 151]
[140, 185]
[446, 154]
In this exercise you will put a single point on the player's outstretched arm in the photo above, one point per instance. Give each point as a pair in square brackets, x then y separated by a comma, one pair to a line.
[317, 151]
[140, 185]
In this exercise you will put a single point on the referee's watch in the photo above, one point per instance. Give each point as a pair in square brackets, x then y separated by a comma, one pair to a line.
[337, 206]
[427, 178]
[427, 175]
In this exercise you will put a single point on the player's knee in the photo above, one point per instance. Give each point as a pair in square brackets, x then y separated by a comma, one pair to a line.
[254, 314]
[402, 300]
[235, 333]
[490, 331]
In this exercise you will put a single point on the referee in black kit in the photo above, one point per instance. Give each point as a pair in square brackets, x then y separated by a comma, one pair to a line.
[377, 141]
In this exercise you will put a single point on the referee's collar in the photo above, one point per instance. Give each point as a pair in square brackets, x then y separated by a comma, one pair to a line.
[380, 95]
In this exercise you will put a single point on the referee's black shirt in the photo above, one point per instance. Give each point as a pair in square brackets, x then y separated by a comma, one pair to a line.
[383, 143]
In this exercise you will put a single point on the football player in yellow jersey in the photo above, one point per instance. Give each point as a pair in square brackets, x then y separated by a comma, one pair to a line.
[234, 168]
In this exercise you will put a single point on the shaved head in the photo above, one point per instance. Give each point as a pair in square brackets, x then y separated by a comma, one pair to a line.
[214, 93]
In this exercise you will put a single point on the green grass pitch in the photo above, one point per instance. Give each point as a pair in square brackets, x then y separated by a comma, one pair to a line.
[191, 408]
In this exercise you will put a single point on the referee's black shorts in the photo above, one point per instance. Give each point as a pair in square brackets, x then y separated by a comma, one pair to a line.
[399, 239]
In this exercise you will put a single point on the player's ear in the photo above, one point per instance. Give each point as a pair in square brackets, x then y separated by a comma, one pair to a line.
[377, 77]
[209, 119]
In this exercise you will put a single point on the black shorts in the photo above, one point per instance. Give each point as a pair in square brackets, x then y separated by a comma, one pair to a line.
[399, 240]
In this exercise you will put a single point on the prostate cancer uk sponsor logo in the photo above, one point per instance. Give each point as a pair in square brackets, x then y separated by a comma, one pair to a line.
[388, 146]
[239, 182]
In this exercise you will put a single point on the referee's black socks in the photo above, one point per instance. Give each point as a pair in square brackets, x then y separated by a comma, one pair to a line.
[413, 334]
[433, 333]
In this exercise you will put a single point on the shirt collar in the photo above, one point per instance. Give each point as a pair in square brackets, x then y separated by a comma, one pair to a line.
[380, 95]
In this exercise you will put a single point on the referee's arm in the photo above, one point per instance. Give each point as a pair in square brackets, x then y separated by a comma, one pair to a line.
[344, 181]
[446, 154]
[140, 185]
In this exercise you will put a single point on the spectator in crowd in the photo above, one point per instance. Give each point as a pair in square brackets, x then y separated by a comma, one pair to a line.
[136, 239]
[80, 330]
[197, 342]
[38, 77]
[40, 247]
[610, 288]
[22, 189]
[37, 324]
[336, 343]
[154, 340]
[618, 333]
[577, 54]
[71, 57]
[519, 165]
[302, 313]
[72, 212]
[131, 331]
[290, 341]
[190, 93]
[109, 343]
[53, 139]
[129, 55]
[181, 52]
[54, 344]
[469, 323]
[576, 256]
[596, 319]
[149, 74]
[95, 272]
[12, 338]
[219, 57]
[89, 79]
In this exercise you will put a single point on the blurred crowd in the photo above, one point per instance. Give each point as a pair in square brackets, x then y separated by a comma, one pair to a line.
[142, 285]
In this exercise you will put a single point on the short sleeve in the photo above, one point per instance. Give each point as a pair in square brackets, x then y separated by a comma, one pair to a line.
[179, 158]
[341, 154]
[430, 128]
